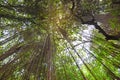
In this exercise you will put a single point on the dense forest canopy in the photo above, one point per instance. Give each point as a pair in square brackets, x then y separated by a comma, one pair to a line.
[59, 39]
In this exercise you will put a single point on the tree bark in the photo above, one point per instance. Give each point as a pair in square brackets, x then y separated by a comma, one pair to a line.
[107, 36]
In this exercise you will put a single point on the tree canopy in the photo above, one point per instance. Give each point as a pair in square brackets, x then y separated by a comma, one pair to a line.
[59, 39]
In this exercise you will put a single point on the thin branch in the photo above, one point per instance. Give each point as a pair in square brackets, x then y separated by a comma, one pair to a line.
[11, 51]
[111, 73]
[68, 40]
[11, 17]
[8, 39]
[83, 76]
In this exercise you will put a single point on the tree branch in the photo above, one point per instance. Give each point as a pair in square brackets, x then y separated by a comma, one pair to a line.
[8, 39]
[107, 36]
[11, 51]
[23, 19]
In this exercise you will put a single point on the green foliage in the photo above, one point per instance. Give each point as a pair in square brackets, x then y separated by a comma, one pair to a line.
[42, 40]
[114, 23]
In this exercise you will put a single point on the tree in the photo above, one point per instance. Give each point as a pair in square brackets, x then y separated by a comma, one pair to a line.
[42, 40]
